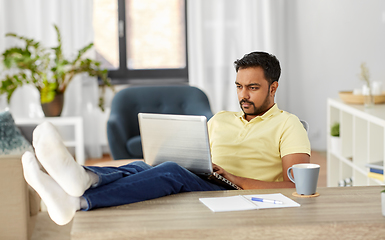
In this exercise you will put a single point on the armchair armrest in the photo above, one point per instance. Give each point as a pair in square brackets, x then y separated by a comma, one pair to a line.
[117, 137]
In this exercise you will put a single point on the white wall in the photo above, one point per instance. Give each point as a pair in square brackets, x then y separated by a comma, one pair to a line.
[326, 43]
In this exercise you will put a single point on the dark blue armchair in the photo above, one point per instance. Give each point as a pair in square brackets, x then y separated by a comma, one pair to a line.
[123, 126]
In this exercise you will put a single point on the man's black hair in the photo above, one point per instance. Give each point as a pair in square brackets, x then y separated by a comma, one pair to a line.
[268, 62]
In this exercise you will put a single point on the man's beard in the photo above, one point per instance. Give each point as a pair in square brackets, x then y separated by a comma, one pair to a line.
[257, 110]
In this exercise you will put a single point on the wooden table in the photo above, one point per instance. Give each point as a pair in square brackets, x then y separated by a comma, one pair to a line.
[338, 213]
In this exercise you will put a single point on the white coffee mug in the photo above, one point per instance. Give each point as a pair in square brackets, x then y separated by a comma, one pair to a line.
[305, 177]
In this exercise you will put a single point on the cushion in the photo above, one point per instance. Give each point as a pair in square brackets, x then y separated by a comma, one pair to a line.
[12, 142]
[134, 147]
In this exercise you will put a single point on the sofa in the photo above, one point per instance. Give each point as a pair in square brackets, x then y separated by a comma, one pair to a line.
[19, 203]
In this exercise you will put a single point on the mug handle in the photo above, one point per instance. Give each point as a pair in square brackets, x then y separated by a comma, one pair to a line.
[289, 174]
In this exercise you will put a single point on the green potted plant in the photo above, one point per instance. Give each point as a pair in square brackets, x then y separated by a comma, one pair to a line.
[48, 70]
[335, 140]
[335, 130]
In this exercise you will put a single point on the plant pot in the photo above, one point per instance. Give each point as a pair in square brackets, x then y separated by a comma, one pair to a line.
[54, 108]
[383, 203]
[335, 144]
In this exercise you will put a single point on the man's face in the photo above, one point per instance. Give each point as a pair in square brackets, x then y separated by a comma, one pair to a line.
[254, 94]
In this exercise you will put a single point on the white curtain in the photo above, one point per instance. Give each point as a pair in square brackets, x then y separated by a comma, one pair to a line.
[35, 19]
[221, 31]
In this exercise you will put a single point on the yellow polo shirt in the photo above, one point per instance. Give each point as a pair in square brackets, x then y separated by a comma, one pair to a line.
[254, 149]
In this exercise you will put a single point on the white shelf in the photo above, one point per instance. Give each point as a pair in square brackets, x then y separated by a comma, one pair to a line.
[362, 136]
[74, 123]
[350, 163]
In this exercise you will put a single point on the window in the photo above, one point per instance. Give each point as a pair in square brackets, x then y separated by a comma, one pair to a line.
[141, 41]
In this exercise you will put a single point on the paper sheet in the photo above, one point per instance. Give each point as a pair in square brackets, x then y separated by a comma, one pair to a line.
[244, 202]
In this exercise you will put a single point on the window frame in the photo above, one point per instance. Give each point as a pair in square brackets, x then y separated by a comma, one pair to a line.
[124, 75]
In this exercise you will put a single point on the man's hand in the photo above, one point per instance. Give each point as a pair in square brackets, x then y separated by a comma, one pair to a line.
[248, 183]
[224, 173]
[218, 169]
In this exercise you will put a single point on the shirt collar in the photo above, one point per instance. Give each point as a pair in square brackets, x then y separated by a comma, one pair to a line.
[272, 111]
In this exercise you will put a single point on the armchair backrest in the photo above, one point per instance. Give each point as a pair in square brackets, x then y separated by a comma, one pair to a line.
[305, 125]
[127, 103]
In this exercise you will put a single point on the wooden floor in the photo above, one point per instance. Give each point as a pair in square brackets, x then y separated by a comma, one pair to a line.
[93, 161]
[45, 229]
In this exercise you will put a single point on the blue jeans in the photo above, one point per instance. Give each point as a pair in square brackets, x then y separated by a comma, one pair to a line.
[139, 181]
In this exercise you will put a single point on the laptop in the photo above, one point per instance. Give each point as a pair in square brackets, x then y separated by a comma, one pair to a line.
[182, 139]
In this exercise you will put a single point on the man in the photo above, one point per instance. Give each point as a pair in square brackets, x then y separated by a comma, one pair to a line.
[278, 139]
[253, 149]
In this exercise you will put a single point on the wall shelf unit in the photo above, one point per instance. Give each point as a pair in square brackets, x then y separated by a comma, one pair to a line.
[362, 133]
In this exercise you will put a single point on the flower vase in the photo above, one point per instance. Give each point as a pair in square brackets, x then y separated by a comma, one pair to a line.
[369, 101]
[54, 108]
[368, 96]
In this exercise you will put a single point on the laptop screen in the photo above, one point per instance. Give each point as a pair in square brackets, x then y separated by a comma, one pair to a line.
[178, 138]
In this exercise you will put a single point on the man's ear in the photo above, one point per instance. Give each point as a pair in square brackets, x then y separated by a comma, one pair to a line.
[273, 88]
